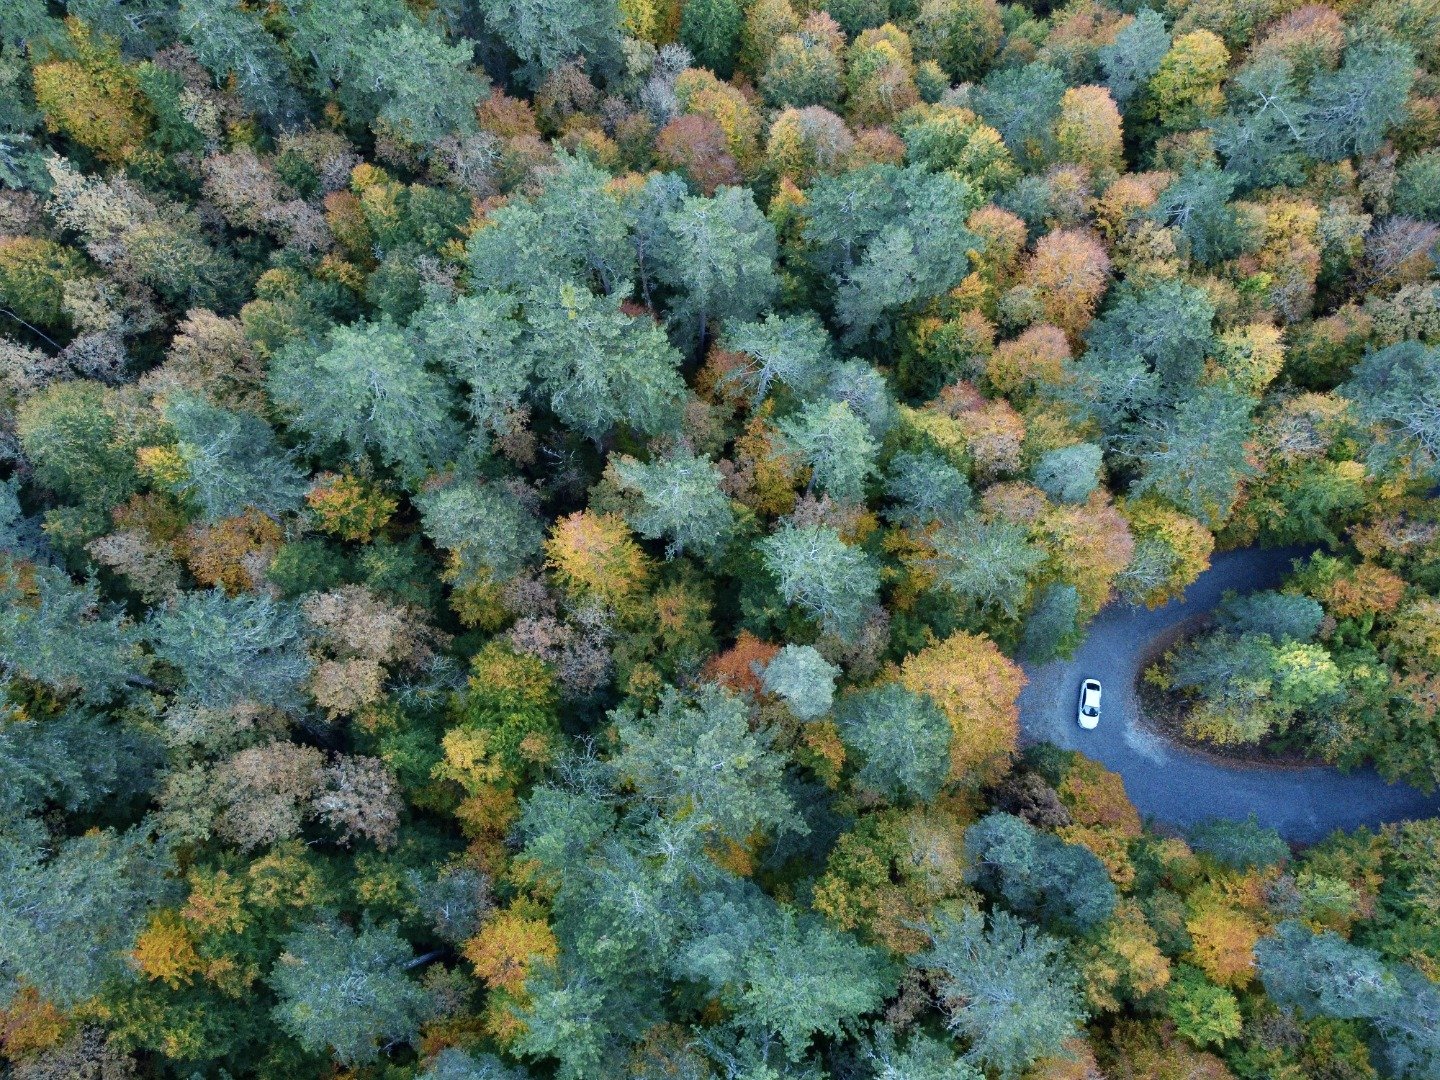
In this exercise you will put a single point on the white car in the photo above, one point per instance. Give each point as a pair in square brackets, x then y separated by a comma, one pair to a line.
[1089, 715]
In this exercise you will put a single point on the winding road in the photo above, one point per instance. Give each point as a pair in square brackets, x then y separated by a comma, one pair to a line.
[1180, 786]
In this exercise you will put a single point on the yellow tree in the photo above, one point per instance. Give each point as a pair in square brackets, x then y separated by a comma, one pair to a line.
[1222, 940]
[93, 98]
[1171, 550]
[1186, 90]
[1068, 273]
[1090, 546]
[593, 555]
[975, 686]
[1036, 359]
[1123, 961]
[1089, 131]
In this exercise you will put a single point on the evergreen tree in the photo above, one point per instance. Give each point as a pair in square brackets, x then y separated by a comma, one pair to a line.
[901, 738]
[1395, 388]
[987, 563]
[792, 350]
[346, 990]
[927, 489]
[233, 461]
[367, 390]
[1006, 989]
[1071, 473]
[1131, 60]
[1348, 112]
[1026, 868]
[599, 366]
[546, 34]
[717, 257]
[701, 760]
[815, 571]
[69, 915]
[232, 649]
[836, 444]
[804, 679]
[680, 498]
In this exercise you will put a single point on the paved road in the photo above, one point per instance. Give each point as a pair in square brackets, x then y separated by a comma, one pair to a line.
[1179, 786]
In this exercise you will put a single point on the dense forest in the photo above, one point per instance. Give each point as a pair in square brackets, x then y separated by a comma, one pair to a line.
[522, 519]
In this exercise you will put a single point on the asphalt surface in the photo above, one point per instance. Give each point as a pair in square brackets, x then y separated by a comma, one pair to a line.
[1172, 783]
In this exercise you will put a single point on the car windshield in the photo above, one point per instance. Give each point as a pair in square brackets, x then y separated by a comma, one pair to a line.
[1090, 710]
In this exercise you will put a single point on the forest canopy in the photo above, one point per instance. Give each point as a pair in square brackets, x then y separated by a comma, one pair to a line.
[522, 523]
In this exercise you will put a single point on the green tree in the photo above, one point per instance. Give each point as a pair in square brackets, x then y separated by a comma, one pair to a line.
[836, 444]
[580, 1021]
[1240, 845]
[962, 36]
[232, 649]
[334, 37]
[920, 1058]
[901, 738]
[1053, 628]
[988, 564]
[1206, 1014]
[805, 67]
[1417, 186]
[452, 1063]
[785, 975]
[367, 390]
[1323, 974]
[710, 29]
[855, 16]
[475, 339]
[1197, 205]
[700, 759]
[346, 990]
[1023, 104]
[70, 912]
[64, 636]
[832, 583]
[424, 88]
[1006, 989]
[1260, 137]
[33, 273]
[953, 139]
[232, 44]
[1148, 348]
[1275, 614]
[75, 435]
[921, 253]
[232, 461]
[810, 980]
[717, 256]
[1071, 473]
[574, 229]
[76, 761]
[804, 679]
